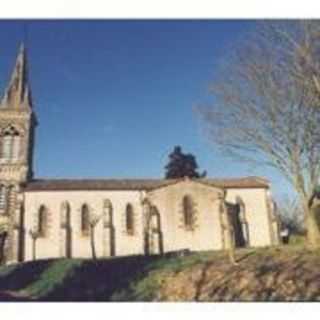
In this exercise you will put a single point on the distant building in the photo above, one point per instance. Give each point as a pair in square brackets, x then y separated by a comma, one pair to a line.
[135, 216]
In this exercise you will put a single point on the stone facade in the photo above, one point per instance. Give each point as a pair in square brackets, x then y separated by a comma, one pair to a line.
[73, 218]
[157, 217]
[17, 122]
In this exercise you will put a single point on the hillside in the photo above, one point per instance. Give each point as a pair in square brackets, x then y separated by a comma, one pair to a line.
[270, 274]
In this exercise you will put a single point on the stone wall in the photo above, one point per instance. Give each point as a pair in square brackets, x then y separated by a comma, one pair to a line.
[257, 214]
[50, 246]
[204, 233]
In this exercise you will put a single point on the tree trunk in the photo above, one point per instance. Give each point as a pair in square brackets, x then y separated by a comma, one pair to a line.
[68, 244]
[93, 248]
[34, 255]
[34, 249]
[312, 215]
[311, 210]
[231, 244]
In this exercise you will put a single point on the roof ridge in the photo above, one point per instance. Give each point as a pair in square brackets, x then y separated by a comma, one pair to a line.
[135, 184]
[146, 178]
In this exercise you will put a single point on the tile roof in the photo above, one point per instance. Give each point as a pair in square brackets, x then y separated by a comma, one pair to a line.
[136, 184]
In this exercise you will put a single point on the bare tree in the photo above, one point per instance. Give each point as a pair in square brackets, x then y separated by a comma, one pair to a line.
[34, 234]
[228, 230]
[93, 223]
[290, 214]
[314, 204]
[266, 106]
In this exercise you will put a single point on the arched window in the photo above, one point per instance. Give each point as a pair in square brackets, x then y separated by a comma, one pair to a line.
[188, 211]
[243, 221]
[6, 146]
[10, 197]
[85, 220]
[3, 198]
[241, 209]
[107, 213]
[66, 234]
[16, 147]
[129, 219]
[65, 215]
[10, 144]
[42, 221]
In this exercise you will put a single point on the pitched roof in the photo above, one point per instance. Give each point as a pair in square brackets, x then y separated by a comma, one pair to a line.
[136, 184]
[245, 182]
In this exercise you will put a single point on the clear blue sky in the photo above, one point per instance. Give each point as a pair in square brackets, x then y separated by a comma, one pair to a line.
[114, 97]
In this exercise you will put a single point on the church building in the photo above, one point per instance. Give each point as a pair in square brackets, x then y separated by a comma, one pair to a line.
[52, 218]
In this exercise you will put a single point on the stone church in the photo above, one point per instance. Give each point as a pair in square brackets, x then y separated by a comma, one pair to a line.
[54, 218]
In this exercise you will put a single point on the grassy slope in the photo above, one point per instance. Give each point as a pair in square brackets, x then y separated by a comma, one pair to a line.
[127, 278]
[289, 273]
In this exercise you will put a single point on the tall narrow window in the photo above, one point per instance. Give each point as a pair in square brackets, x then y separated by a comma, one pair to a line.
[243, 221]
[68, 216]
[65, 215]
[15, 147]
[66, 234]
[3, 198]
[107, 213]
[10, 144]
[188, 211]
[42, 221]
[6, 146]
[85, 220]
[10, 197]
[129, 219]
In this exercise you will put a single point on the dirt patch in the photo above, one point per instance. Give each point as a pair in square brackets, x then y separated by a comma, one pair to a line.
[270, 276]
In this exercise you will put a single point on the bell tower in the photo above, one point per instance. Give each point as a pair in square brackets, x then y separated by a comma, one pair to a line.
[17, 124]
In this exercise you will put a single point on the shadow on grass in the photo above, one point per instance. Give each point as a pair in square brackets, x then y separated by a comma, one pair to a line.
[113, 279]
[21, 275]
[72, 280]
[99, 280]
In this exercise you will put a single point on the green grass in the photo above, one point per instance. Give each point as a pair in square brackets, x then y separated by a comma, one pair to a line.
[6, 270]
[142, 289]
[53, 276]
[145, 288]
[297, 240]
[134, 278]
[118, 279]
[177, 264]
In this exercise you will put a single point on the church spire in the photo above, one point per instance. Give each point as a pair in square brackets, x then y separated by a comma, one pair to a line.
[17, 94]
